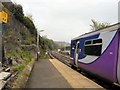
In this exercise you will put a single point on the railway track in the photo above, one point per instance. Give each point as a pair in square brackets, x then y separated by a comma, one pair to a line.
[60, 57]
[65, 59]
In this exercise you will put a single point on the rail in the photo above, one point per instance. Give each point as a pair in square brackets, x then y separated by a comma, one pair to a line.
[60, 57]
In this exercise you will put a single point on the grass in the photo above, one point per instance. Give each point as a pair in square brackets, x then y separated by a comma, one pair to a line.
[19, 68]
[23, 55]
[26, 56]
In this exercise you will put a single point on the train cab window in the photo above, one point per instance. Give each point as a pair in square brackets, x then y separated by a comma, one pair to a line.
[73, 47]
[94, 48]
[78, 48]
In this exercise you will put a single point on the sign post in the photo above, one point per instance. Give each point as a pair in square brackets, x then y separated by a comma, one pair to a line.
[0, 36]
[3, 20]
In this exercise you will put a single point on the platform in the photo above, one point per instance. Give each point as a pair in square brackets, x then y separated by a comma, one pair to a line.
[75, 79]
[54, 74]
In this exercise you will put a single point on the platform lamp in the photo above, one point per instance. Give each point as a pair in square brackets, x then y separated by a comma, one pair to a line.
[38, 33]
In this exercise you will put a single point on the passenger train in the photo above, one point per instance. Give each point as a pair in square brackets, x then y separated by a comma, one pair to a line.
[98, 52]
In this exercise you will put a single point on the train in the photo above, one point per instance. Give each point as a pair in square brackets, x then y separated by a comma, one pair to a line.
[98, 52]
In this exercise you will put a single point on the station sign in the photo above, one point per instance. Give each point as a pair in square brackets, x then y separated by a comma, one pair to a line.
[3, 17]
[0, 17]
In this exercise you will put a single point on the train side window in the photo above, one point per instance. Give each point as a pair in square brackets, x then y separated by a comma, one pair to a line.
[94, 48]
[88, 42]
[97, 41]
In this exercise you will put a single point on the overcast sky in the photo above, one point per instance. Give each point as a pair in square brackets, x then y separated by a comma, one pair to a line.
[63, 20]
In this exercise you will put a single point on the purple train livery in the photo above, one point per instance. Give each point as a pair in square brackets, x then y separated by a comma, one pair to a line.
[98, 52]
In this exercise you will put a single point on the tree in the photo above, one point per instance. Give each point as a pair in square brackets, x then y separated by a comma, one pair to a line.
[30, 25]
[96, 25]
[18, 12]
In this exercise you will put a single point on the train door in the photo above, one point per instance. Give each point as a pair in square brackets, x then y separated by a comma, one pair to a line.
[118, 64]
[76, 53]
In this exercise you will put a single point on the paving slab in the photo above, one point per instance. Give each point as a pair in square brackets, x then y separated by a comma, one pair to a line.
[4, 75]
[2, 84]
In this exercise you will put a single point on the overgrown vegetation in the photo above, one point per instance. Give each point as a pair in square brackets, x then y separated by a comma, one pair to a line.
[17, 11]
[19, 68]
[19, 32]
[47, 44]
[30, 25]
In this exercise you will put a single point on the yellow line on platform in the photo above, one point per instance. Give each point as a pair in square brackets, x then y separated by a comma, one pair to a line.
[75, 79]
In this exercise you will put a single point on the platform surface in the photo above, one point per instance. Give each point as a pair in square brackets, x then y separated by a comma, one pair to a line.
[54, 74]
[75, 79]
[45, 75]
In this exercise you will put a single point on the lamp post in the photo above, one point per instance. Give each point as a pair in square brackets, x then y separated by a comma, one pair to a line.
[38, 33]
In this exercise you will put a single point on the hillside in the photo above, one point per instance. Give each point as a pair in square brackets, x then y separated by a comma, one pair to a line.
[15, 33]
[19, 37]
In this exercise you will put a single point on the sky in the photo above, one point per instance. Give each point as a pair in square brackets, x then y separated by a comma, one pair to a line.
[63, 20]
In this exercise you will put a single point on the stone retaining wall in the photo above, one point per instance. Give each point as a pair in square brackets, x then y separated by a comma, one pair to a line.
[23, 76]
